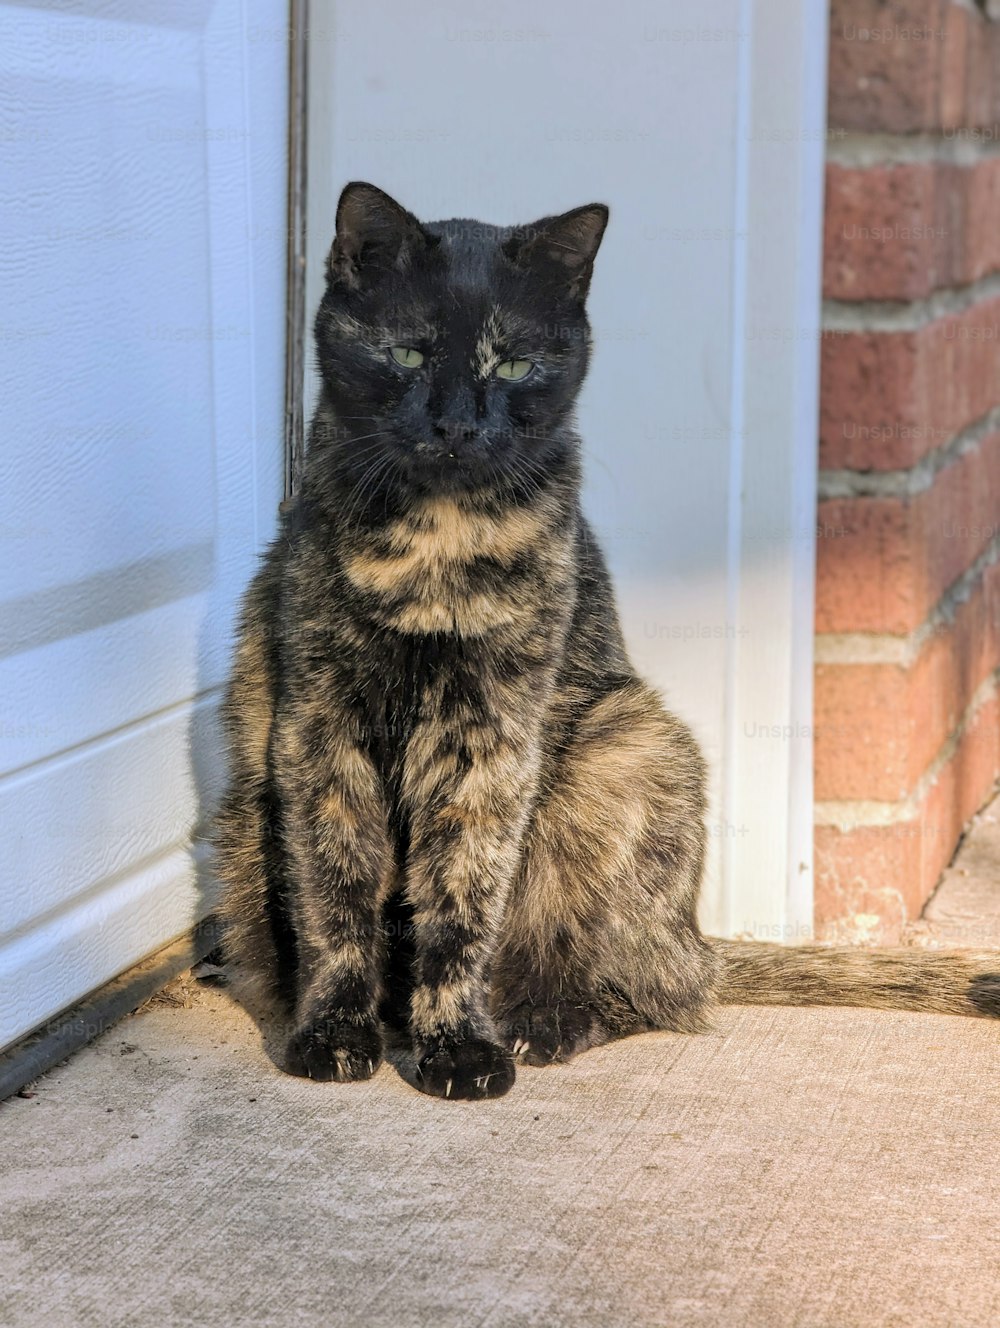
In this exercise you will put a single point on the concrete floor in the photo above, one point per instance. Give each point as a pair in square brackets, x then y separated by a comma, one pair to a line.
[793, 1167]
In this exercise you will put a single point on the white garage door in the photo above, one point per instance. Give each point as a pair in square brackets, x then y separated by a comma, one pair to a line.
[142, 251]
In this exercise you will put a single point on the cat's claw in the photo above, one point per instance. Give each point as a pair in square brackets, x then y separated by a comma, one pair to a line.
[475, 1068]
[327, 1050]
[557, 1031]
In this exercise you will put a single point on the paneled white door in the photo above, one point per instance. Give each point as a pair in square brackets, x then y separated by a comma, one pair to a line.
[701, 122]
[142, 250]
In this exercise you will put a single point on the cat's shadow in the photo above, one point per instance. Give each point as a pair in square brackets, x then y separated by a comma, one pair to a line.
[274, 1024]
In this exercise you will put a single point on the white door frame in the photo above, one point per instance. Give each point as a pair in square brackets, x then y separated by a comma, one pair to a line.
[768, 764]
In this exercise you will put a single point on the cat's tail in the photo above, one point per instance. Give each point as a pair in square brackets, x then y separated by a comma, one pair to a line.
[965, 982]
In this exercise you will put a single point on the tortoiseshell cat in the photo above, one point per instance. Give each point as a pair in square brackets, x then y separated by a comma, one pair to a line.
[453, 804]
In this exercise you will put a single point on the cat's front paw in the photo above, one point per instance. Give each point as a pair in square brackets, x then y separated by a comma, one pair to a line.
[474, 1068]
[331, 1049]
[551, 1034]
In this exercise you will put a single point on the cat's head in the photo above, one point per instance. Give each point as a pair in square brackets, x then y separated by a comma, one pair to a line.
[452, 352]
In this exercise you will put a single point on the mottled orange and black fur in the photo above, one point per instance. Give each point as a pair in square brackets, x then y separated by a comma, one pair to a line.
[453, 805]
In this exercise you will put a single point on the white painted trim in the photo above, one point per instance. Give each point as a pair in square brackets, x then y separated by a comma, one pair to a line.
[776, 330]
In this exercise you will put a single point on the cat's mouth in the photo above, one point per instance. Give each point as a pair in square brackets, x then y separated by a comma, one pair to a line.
[451, 463]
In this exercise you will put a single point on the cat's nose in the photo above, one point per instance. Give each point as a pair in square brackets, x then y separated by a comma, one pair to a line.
[454, 432]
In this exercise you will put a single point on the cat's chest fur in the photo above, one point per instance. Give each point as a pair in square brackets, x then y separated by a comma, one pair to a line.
[460, 611]
[443, 569]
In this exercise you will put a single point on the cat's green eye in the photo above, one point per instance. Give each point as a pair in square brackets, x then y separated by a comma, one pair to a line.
[407, 357]
[514, 370]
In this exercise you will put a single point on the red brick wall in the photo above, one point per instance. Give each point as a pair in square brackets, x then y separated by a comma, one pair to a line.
[908, 566]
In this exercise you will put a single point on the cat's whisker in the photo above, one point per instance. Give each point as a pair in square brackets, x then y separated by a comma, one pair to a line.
[368, 482]
[603, 466]
[379, 433]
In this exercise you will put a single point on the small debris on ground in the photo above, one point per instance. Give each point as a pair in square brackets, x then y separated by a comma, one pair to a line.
[180, 993]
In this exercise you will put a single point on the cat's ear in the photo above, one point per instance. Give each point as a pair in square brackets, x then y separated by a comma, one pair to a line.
[374, 233]
[562, 248]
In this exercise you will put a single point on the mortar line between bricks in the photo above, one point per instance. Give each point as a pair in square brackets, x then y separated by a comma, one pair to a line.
[863, 151]
[907, 482]
[845, 316]
[884, 648]
[853, 815]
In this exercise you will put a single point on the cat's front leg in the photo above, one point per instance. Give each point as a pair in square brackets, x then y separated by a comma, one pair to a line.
[468, 809]
[335, 829]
